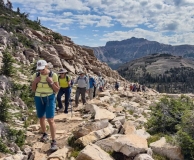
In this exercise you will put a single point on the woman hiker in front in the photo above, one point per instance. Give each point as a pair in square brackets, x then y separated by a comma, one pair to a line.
[45, 85]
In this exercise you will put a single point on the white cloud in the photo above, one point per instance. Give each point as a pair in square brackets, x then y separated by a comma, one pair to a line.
[118, 19]
[176, 39]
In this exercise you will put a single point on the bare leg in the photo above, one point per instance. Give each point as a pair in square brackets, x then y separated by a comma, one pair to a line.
[52, 127]
[43, 124]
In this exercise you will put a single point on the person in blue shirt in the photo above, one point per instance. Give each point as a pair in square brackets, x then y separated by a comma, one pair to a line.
[91, 89]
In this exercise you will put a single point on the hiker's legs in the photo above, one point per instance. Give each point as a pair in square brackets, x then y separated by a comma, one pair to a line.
[77, 96]
[67, 96]
[41, 110]
[91, 92]
[83, 95]
[50, 111]
[59, 95]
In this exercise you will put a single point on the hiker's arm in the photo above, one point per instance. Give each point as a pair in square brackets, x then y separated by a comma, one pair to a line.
[35, 82]
[76, 80]
[87, 85]
[55, 86]
[54, 83]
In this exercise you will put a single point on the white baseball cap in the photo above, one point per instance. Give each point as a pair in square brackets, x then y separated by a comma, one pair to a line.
[41, 64]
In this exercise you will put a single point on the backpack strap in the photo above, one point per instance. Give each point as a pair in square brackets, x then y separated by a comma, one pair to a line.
[67, 78]
[85, 78]
[51, 74]
[37, 74]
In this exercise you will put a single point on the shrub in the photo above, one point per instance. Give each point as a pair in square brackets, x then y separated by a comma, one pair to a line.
[16, 136]
[7, 68]
[167, 114]
[3, 147]
[186, 134]
[25, 41]
[4, 106]
[175, 116]
[25, 93]
[57, 36]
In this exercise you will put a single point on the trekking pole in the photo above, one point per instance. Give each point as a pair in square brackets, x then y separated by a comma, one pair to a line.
[70, 102]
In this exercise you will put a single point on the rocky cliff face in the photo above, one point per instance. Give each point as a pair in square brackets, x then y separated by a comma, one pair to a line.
[60, 53]
[118, 52]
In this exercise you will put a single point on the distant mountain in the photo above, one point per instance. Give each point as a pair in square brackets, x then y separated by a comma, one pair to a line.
[115, 53]
[163, 72]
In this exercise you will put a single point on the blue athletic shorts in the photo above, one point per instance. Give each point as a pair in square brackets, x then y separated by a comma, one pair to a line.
[46, 106]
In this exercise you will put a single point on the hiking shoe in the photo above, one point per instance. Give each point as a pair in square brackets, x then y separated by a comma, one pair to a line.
[44, 137]
[53, 145]
[61, 110]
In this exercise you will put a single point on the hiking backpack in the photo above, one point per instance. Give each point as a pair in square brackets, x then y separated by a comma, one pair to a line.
[50, 75]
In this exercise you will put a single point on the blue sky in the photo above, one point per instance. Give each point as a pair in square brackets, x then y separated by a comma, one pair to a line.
[94, 22]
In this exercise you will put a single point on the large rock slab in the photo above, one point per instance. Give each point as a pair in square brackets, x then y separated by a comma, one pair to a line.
[101, 113]
[163, 148]
[143, 133]
[64, 51]
[130, 145]
[88, 127]
[119, 118]
[143, 157]
[54, 59]
[39, 156]
[128, 128]
[95, 136]
[102, 94]
[93, 152]
[60, 154]
[106, 144]
[69, 67]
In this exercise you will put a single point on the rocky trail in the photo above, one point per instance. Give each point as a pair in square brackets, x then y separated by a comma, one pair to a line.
[96, 126]
[109, 127]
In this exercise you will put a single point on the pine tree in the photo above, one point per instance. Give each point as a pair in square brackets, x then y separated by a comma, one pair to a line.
[4, 106]
[2, 4]
[7, 68]
[18, 10]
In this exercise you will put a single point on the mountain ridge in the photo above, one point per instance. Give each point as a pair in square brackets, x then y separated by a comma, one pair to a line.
[116, 53]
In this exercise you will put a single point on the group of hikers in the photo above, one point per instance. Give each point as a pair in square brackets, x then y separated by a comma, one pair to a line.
[46, 84]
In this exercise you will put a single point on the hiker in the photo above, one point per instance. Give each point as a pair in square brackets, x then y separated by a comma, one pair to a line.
[82, 88]
[45, 85]
[131, 87]
[100, 83]
[91, 88]
[104, 82]
[116, 86]
[95, 86]
[143, 88]
[134, 87]
[65, 84]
